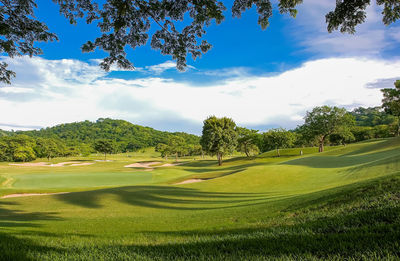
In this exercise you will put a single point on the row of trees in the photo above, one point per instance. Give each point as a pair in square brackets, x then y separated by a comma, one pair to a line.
[322, 125]
[24, 148]
[177, 146]
[221, 136]
[126, 137]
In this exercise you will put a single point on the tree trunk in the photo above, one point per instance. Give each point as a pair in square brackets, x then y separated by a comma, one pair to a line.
[247, 153]
[277, 152]
[176, 156]
[219, 156]
[321, 146]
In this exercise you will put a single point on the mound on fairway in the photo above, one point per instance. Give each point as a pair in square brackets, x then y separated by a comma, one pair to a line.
[343, 204]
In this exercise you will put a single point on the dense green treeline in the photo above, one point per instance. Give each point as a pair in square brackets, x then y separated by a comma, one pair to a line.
[80, 138]
[128, 136]
[21, 147]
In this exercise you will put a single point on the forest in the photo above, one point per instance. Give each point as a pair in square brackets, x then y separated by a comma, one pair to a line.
[80, 138]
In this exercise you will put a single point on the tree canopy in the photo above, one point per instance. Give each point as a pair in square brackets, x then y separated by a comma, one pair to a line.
[277, 139]
[324, 121]
[133, 22]
[127, 136]
[391, 102]
[248, 141]
[219, 136]
[104, 146]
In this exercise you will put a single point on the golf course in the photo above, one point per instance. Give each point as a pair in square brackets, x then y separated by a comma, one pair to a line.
[341, 204]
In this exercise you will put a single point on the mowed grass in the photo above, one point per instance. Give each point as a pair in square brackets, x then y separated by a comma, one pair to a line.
[341, 204]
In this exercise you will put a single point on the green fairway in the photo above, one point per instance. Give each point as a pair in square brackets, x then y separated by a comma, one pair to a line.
[340, 204]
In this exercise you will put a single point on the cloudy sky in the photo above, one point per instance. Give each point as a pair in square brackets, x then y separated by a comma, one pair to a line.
[261, 79]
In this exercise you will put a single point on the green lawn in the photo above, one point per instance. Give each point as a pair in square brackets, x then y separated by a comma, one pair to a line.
[340, 204]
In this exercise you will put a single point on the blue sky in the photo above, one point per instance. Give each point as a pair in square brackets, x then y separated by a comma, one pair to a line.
[260, 78]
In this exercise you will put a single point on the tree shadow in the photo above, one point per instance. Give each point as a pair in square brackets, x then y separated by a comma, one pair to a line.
[222, 168]
[15, 245]
[324, 161]
[344, 236]
[377, 145]
[165, 197]
[358, 221]
[19, 218]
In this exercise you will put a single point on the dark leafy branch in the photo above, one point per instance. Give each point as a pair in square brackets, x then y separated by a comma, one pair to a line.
[179, 25]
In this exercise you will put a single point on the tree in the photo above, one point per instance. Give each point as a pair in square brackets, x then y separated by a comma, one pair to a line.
[104, 146]
[324, 121]
[128, 23]
[163, 149]
[372, 116]
[3, 151]
[278, 138]
[49, 148]
[247, 141]
[18, 148]
[176, 145]
[361, 133]
[219, 136]
[391, 102]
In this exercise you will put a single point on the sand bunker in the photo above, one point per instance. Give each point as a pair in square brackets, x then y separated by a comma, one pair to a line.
[30, 164]
[61, 164]
[82, 164]
[190, 181]
[171, 164]
[146, 165]
[46, 164]
[31, 194]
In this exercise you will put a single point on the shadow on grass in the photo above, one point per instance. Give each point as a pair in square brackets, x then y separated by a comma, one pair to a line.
[14, 246]
[164, 197]
[325, 161]
[365, 234]
[10, 217]
[377, 145]
[360, 221]
[222, 168]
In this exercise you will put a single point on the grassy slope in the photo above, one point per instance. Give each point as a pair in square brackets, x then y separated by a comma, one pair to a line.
[343, 203]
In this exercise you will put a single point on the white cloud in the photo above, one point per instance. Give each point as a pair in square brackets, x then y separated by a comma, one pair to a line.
[370, 39]
[160, 68]
[68, 90]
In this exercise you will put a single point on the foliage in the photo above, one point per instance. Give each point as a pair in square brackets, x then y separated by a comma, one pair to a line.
[163, 149]
[248, 141]
[278, 138]
[17, 148]
[25, 148]
[219, 136]
[324, 121]
[49, 148]
[127, 136]
[104, 146]
[130, 23]
[176, 145]
[391, 102]
[372, 116]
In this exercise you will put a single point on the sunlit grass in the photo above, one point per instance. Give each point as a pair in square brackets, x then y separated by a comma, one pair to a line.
[340, 204]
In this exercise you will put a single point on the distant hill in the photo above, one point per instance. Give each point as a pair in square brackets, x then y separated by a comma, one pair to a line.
[4, 133]
[128, 136]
